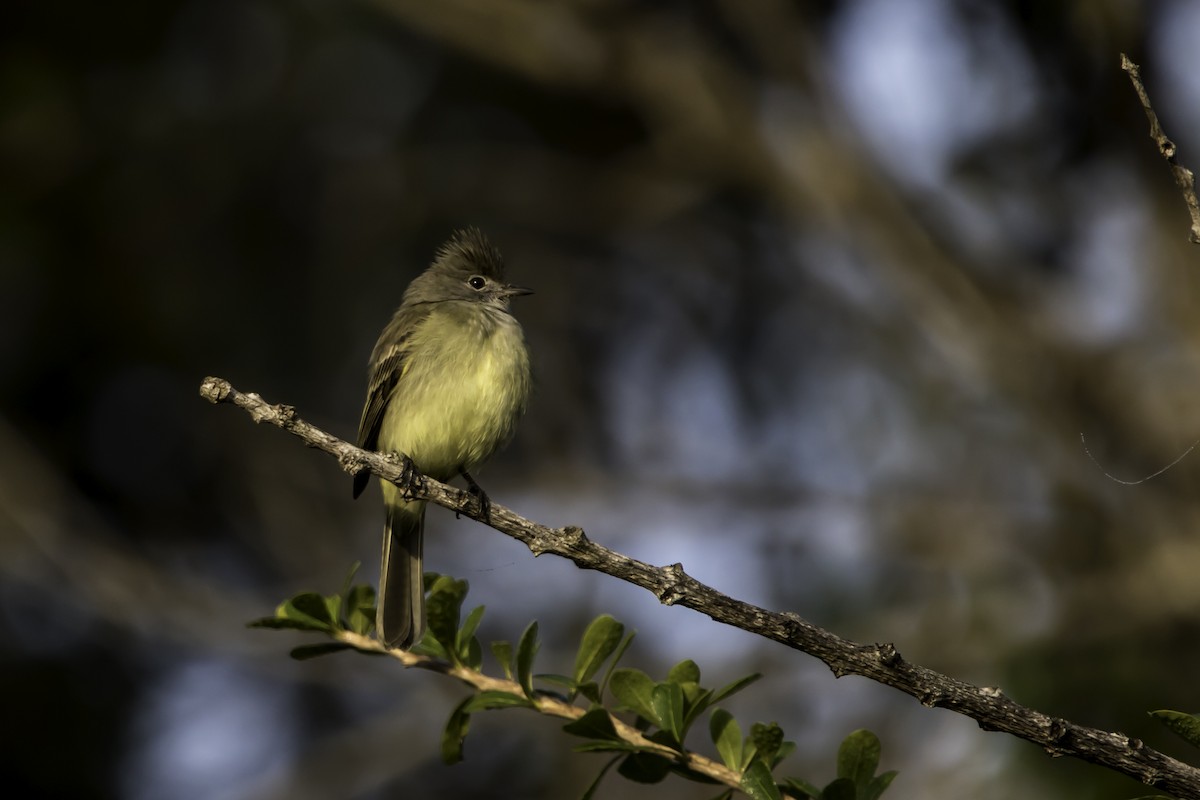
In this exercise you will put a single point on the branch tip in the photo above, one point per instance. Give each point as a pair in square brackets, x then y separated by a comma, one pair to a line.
[1166, 148]
[215, 390]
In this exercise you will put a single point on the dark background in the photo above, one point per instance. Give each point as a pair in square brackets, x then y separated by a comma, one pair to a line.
[826, 294]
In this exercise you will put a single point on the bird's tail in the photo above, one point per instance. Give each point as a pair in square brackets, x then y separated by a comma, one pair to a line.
[400, 614]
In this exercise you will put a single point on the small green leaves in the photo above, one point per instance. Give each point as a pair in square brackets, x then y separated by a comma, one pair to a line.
[684, 672]
[1186, 726]
[666, 701]
[504, 655]
[727, 736]
[442, 610]
[359, 607]
[463, 638]
[644, 768]
[651, 746]
[801, 788]
[352, 610]
[767, 740]
[526, 650]
[633, 690]
[758, 783]
[493, 699]
[857, 759]
[307, 611]
[307, 651]
[600, 640]
[595, 724]
[839, 789]
[731, 689]
[456, 733]
[879, 785]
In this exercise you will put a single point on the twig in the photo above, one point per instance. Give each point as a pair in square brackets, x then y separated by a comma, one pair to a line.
[545, 704]
[1166, 148]
[879, 662]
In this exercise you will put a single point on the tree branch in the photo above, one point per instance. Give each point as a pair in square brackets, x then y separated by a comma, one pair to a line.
[1166, 148]
[544, 704]
[672, 586]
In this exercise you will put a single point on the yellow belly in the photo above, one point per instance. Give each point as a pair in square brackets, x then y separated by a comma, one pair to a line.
[464, 385]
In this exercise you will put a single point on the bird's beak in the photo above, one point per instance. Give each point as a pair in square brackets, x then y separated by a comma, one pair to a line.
[516, 291]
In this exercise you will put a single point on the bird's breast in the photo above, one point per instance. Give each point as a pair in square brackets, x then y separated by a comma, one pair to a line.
[464, 385]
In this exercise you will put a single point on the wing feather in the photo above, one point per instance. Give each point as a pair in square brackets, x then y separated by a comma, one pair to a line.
[388, 362]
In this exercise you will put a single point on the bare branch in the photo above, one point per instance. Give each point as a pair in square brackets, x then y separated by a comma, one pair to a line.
[673, 586]
[1166, 148]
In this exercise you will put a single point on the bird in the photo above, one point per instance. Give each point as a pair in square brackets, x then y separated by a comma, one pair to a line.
[447, 380]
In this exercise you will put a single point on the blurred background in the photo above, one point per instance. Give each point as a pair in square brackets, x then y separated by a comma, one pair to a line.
[827, 293]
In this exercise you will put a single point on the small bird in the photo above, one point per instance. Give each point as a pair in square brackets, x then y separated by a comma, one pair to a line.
[447, 382]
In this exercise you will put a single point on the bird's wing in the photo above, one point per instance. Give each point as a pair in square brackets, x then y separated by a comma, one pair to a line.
[388, 362]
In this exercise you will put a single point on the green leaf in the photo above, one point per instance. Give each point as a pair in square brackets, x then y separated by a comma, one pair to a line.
[727, 736]
[633, 690]
[504, 655]
[595, 724]
[360, 609]
[684, 672]
[601, 638]
[591, 790]
[665, 738]
[346, 584]
[442, 611]
[644, 768]
[731, 689]
[590, 690]
[839, 789]
[667, 701]
[492, 699]
[333, 606]
[1186, 726]
[695, 704]
[526, 650]
[758, 784]
[616, 659]
[307, 610]
[278, 624]
[473, 658]
[878, 784]
[767, 740]
[691, 774]
[462, 640]
[749, 751]
[429, 646]
[456, 733]
[799, 786]
[307, 651]
[785, 750]
[858, 757]
[564, 681]
[600, 746]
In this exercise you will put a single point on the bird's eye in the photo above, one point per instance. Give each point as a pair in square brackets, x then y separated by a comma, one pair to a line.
[477, 282]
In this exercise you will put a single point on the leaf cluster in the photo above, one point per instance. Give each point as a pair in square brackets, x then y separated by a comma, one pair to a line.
[644, 723]
[353, 610]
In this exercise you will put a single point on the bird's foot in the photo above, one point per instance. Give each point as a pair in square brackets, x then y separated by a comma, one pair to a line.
[410, 481]
[476, 491]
